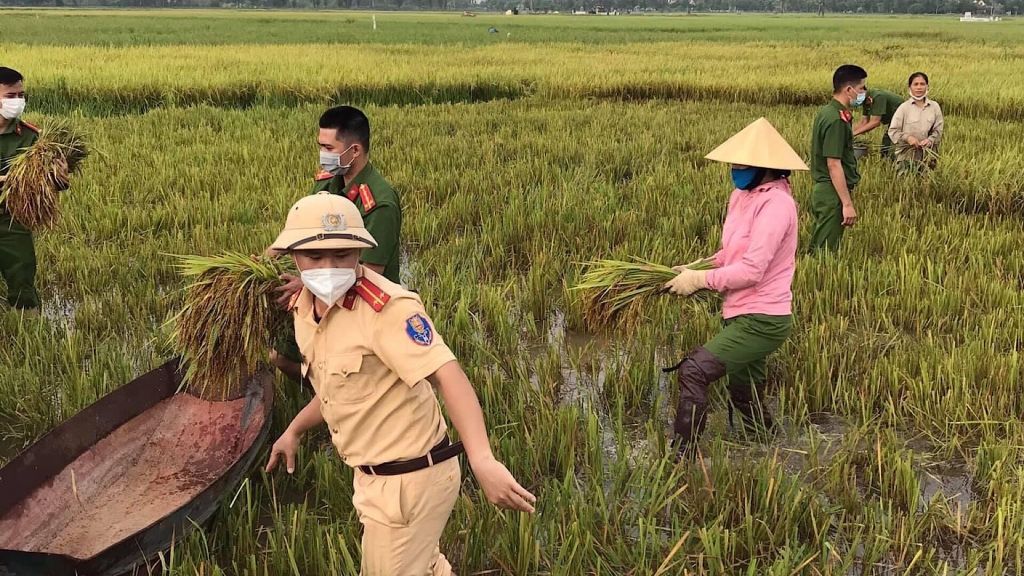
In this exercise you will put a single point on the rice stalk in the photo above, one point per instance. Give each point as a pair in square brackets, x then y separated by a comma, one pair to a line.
[228, 319]
[615, 291]
[38, 175]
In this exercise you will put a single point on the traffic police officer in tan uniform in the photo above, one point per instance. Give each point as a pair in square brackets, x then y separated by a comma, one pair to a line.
[345, 169]
[374, 359]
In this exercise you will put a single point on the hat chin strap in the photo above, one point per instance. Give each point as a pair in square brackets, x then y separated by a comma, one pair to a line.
[331, 236]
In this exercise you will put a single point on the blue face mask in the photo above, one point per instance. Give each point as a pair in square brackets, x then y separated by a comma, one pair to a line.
[743, 178]
[861, 96]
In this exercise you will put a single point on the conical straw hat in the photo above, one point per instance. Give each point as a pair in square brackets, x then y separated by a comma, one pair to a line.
[760, 145]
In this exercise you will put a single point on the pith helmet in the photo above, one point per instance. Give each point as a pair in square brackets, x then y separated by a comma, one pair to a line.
[324, 221]
[758, 145]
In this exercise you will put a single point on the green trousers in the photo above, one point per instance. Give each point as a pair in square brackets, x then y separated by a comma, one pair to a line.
[827, 209]
[745, 343]
[18, 263]
[887, 147]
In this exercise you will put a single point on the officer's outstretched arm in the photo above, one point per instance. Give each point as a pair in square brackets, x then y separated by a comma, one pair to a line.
[288, 444]
[497, 482]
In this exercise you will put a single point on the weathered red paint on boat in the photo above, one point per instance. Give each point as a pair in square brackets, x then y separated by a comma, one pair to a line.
[147, 463]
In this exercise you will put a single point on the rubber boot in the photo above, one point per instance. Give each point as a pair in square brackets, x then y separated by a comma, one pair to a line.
[748, 401]
[696, 373]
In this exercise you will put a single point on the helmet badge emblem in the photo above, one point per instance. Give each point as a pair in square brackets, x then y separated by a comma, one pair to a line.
[333, 222]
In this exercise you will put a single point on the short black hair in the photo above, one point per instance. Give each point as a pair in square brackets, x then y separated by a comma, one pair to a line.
[847, 75]
[9, 76]
[917, 75]
[350, 123]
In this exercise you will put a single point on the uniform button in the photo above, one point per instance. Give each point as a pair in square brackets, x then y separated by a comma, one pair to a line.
[335, 430]
[320, 366]
[324, 398]
[319, 330]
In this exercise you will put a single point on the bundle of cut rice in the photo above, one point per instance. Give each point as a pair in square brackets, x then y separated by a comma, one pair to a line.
[36, 177]
[227, 324]
[613, 288]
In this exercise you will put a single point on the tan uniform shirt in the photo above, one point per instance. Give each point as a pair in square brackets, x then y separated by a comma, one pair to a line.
[367, 360]
[917, 121]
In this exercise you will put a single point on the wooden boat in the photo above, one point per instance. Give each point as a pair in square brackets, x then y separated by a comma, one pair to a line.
[109, 489]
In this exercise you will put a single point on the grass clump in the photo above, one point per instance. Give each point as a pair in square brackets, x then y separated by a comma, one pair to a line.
[614, 291]
[37, 176]
[227, 321]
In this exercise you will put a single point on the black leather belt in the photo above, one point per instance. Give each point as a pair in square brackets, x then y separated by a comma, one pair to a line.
[444, 450]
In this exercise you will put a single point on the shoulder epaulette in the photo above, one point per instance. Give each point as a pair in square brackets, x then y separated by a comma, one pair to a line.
[367, 197]
[846, 116]
[31, 127]
[323, 175]
[368, 291]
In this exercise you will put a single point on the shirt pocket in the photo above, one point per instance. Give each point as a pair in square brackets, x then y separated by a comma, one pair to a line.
[345, 382]
[917, 124]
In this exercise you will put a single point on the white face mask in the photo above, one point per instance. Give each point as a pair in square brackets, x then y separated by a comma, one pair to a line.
[329, 284]
[331, 163]
[919, 98]
[11, 108]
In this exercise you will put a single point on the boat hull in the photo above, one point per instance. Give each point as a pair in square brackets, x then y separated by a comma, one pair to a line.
[109, 489]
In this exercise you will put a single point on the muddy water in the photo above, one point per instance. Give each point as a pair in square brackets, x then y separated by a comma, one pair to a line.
[823, 432]
[583, 390]
[60, 310]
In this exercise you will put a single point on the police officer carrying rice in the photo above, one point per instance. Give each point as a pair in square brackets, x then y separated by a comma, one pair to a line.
[346, 170]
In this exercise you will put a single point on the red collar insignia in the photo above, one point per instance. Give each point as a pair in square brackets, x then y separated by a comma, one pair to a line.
[370, 292]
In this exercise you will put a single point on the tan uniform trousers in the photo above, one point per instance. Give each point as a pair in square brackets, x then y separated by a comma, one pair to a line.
[403, 517]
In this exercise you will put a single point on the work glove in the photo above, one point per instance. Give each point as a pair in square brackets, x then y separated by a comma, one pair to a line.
[688, 282]
[690, 265]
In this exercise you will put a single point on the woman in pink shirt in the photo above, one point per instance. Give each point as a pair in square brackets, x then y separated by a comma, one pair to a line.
[754, 272]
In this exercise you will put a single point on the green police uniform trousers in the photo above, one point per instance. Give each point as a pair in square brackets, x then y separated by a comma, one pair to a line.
[887, 148]
[827, 208]
[745, 343]
[18, 263]
[740, 351]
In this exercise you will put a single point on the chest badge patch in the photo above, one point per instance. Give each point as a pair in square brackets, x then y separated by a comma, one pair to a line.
[419, 330]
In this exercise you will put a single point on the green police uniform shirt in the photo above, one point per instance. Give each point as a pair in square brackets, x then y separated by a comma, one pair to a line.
[882, 103]
[832, 137]
[381, 211]
[13, 140]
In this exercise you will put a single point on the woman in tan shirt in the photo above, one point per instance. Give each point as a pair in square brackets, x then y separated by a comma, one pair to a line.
[917, 126]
